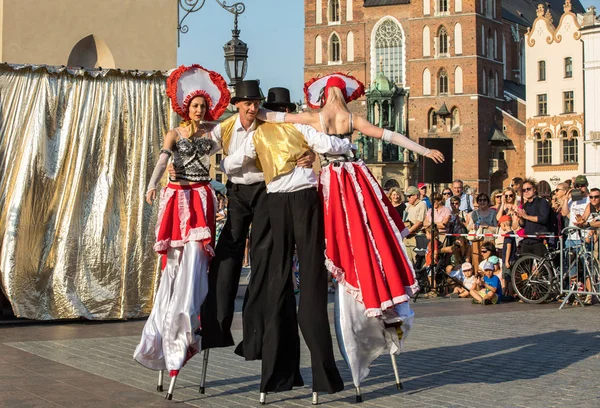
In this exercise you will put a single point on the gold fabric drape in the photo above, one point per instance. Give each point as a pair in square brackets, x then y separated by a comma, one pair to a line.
[76, 148]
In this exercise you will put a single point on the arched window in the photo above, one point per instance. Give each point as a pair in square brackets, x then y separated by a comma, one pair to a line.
[543, 148]
[570, 153]
[482, 40]
[349, 11]
[426, 7]
[496, 90]
[334, 11]
[490, 44]
[458, 39]
[350, 46]
[458, 80]
[443, 41]
[318, 50]
[489, 8]
[389, 50]
[504, 57]
[319, 12]
[484, 83]
[458, 6]
[426, 82]
[335, 49]
[431, 120]
[91, 52]
[443, 82]
[491, 91]
[495, 44]
[426, 42]
[455, 118]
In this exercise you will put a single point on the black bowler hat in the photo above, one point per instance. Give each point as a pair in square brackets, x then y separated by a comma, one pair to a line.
[278, 97]
[247, 91]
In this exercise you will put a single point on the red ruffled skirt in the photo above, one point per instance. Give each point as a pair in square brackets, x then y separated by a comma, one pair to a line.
[363, 233]
[186, 213]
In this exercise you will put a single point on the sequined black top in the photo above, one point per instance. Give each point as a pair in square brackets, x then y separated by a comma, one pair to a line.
[191, 158]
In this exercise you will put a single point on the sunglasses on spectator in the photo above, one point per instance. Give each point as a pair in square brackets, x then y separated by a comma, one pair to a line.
[499, 196]
[447, 193]
[484, 251]
[509, 195]
[528, 189]
[454, 203]
[595, 197]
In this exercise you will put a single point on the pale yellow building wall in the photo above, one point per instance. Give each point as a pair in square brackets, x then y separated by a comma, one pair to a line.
[141, 34]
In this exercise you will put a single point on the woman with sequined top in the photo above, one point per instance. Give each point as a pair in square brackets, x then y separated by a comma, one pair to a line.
[363, 231]
[185, 229]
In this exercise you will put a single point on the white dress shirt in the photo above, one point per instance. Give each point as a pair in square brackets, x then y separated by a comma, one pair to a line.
[300, 178]
[248, 173]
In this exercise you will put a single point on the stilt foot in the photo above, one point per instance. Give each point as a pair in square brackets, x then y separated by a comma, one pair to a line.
[159, 388]
[169, 396]
[399, 386]
[315, 398]
[359, 398]
[263, 398]
[201, 390]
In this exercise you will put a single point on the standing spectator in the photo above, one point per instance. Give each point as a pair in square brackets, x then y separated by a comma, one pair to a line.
[496, 199]
[415, 217]
[423, 194]
[487, 290]
[466, 200]
[457, 223]
[441, 215]
[517, 185]
[397, 199]
[533, 217]
[509, 252]
[574, 205]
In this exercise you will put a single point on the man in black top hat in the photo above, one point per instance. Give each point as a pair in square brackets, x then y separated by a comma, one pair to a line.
[278, 99]
[247, 204]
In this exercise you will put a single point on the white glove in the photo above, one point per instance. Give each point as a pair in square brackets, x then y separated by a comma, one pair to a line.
[159, 169]
[403, 141]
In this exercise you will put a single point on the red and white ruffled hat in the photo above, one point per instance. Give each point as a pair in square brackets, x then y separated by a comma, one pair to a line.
[316, 89]
[185, 83]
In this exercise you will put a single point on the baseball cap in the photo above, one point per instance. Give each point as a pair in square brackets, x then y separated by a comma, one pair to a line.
[488, 266]
[466, 266]
[581, 180]
[505, 218]
[411, 190]
[421, 185]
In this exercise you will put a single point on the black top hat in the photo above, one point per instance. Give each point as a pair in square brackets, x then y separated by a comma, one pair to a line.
[247, 91]
[278, 97]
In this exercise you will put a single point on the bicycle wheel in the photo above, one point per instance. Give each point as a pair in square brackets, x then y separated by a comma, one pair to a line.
[593, 272]
[532, 279]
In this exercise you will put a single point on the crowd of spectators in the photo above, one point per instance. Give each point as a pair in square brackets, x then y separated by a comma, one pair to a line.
[496, 229]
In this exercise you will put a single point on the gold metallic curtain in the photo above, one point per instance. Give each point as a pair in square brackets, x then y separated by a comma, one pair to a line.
[76, 148]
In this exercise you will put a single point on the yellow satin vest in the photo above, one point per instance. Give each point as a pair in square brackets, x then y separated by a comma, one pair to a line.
[226, 132]
[278, 146]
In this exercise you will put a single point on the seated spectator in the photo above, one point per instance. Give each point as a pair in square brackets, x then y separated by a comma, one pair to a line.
[468, 278]
[457, 222]
[487, 289]
[488, 250]
[441, 215]
[484, 217]
[509, 253]
[461, 253]
[432, 257]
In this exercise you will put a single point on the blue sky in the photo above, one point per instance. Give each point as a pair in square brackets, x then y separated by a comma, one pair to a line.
[274, 32]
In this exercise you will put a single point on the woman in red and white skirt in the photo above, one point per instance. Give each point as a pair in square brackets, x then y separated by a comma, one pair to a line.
[185, 230]
[363, 231]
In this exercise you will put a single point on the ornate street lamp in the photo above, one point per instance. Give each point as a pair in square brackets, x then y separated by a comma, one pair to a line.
[236, 52]
[191, 6]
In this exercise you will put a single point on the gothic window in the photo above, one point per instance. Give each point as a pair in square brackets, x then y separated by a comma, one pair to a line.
[490, 44]
[350, 46]
[458, 6]
[544, 148]
[431, 120]
[570, 147]
[318, 50]
[389, 50]
[443, 82]
[443, 41]
[426, 82]
[349, 11]
[334, 11]
[458, 39]
[334, 49]
[319, 10]
[484, 87]
[455, 119]
[458, 80]
[491, 91]
[496, 90]
[426, 42]
[426, 7]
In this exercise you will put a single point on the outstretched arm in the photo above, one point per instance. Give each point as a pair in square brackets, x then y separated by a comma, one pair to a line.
[304, 118]
[368, 129]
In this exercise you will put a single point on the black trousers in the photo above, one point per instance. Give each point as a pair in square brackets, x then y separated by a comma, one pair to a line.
[297, 219]
[536, 247]
[246, 204]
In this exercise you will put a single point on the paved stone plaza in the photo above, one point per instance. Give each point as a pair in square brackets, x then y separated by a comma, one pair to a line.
[459, 355]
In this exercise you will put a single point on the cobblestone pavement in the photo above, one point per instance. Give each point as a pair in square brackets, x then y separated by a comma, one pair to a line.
[458, 355]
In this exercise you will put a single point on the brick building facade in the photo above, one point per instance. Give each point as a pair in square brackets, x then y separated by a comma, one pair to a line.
[457, 53]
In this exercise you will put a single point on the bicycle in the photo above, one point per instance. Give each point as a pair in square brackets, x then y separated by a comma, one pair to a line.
[535, 278]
